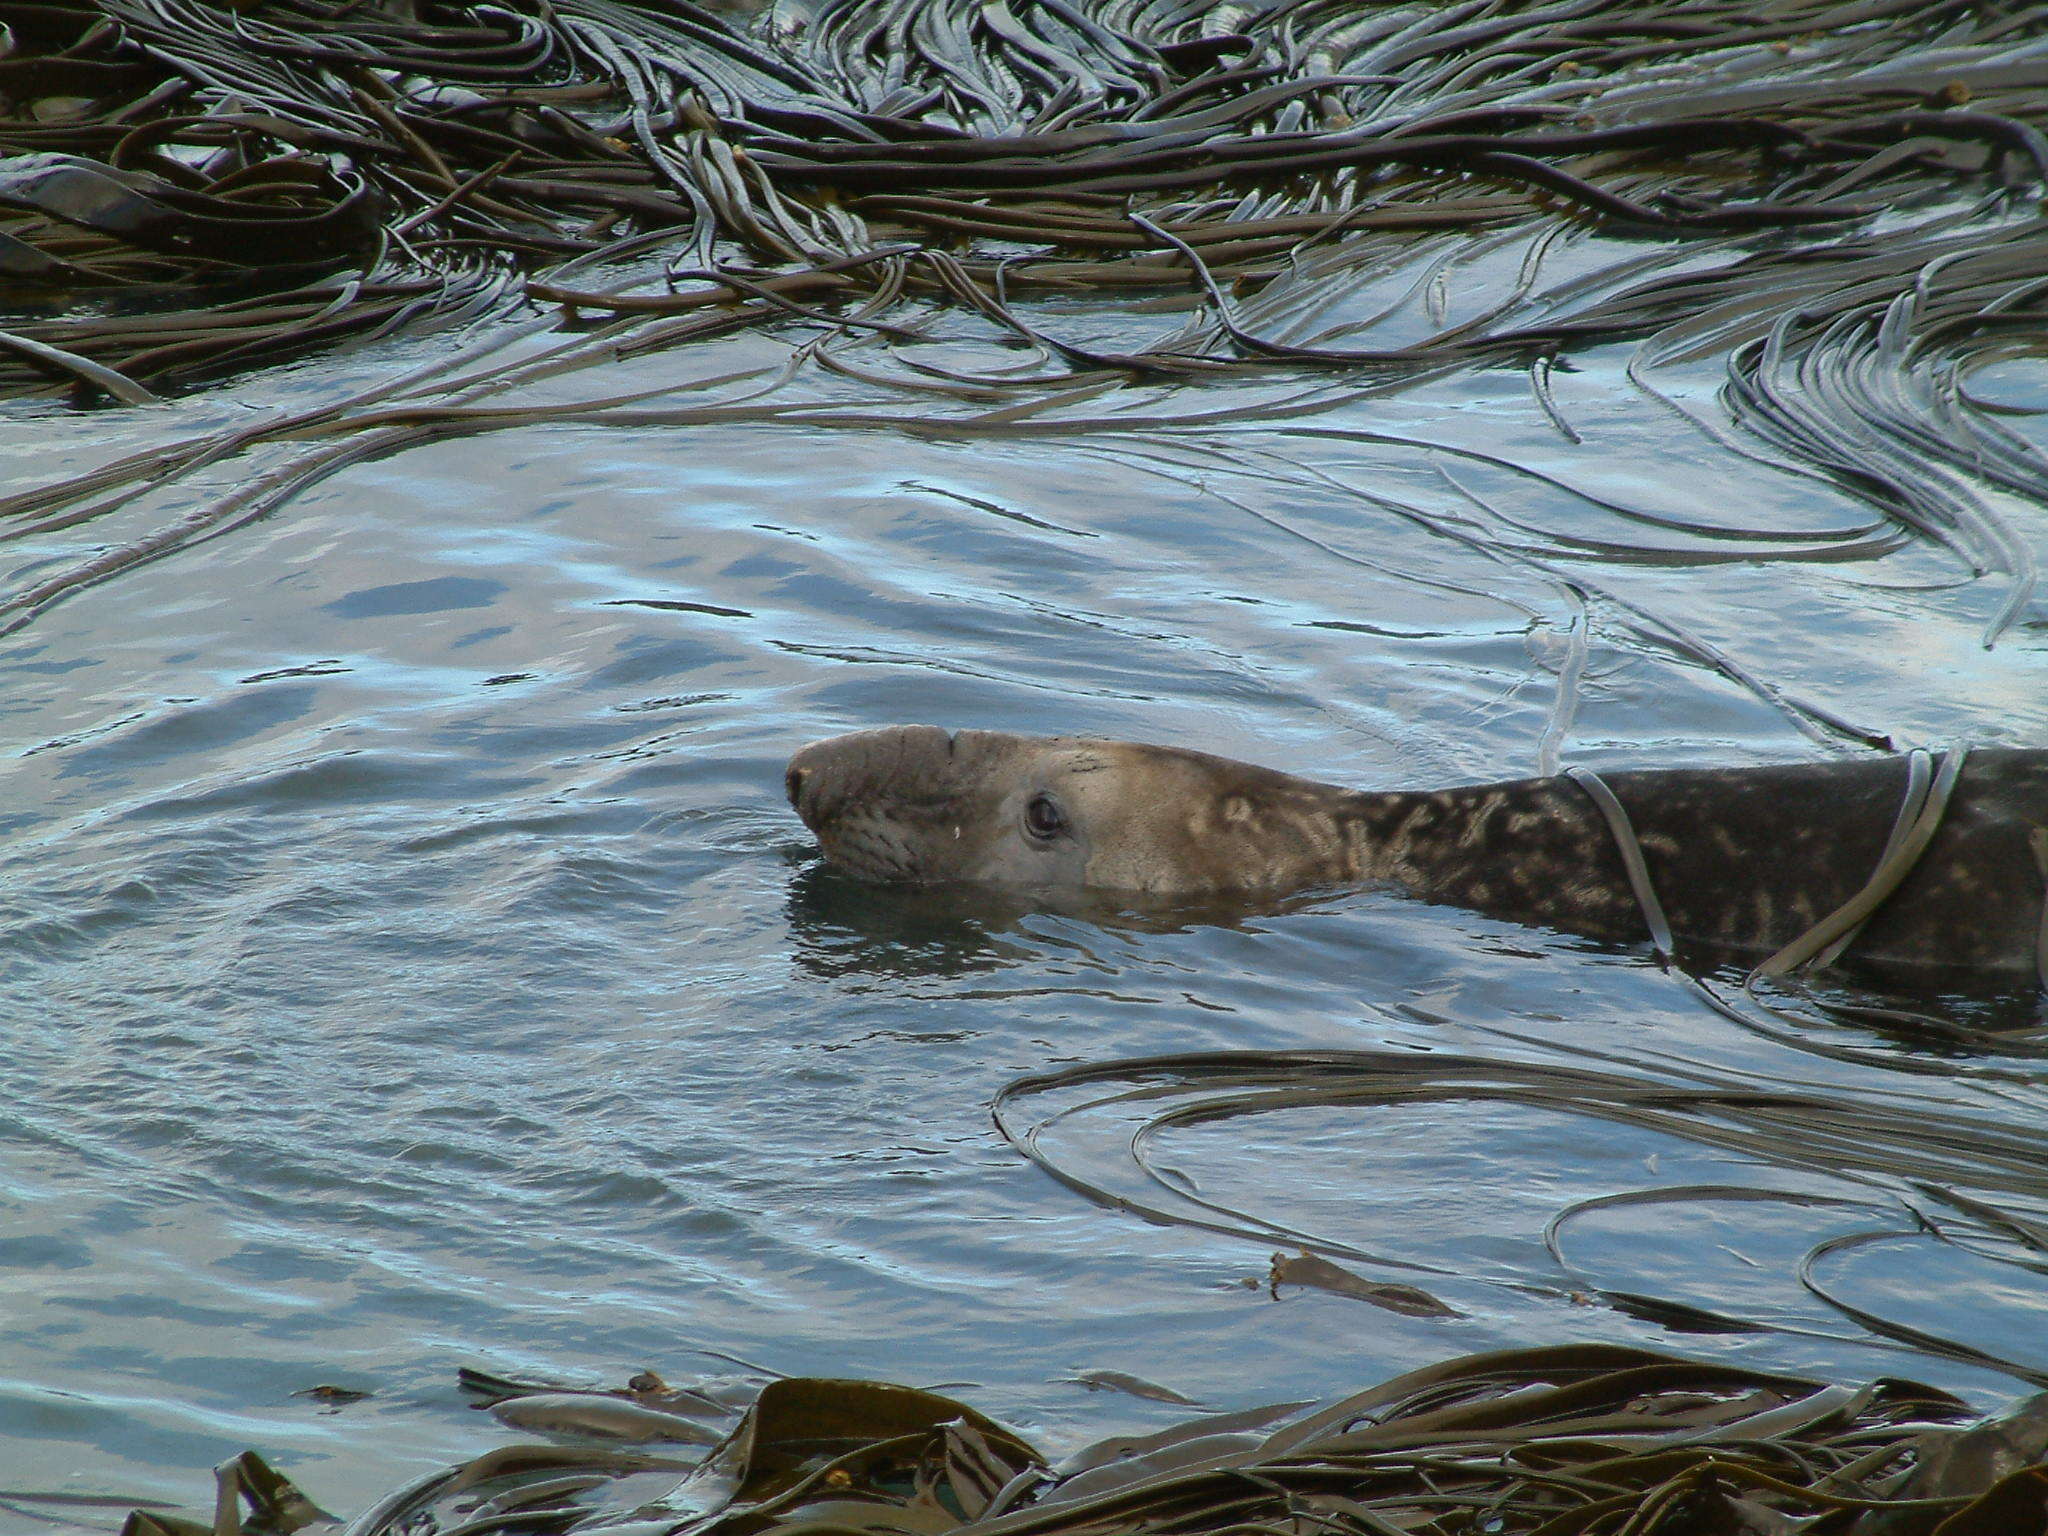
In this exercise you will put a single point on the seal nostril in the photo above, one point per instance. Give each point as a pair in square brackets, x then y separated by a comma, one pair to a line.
[793, 782]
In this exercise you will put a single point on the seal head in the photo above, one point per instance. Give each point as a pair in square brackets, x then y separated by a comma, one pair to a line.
[1065, 814]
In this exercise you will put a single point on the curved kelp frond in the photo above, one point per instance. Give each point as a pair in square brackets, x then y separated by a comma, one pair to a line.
[1567, 1439]
[1901, 1171]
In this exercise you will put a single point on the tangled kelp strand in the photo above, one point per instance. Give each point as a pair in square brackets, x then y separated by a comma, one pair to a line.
[493, 141]
[508, 124]
[1197, 467]
[1853, 400]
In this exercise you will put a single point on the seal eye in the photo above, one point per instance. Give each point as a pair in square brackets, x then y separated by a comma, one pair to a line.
[1043, 819]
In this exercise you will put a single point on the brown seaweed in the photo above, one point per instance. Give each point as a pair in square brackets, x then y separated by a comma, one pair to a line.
[253, 182]
[1558, 1441]
[181, 158]
[219, 188]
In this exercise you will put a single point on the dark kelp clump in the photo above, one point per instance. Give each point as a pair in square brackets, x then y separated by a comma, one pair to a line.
[190, 187]
[1840, 199]
[1564, 1441]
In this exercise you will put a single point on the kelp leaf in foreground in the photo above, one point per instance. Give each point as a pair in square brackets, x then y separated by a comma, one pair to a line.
[1562, 1441]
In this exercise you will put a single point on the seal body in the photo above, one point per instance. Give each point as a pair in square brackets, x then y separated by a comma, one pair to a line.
[1744, 859]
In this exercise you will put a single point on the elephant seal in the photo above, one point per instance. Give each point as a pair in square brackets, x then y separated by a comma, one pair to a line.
[1742, 861]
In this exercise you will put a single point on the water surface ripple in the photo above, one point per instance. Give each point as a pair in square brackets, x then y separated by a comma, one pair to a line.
[407, 958]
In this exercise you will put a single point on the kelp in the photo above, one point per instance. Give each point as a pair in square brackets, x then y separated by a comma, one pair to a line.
[234, 183]
[1567, 1440]
[1830, 194]
[188, 188]
[1908, 1170]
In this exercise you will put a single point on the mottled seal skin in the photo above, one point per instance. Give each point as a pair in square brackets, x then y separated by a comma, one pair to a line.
[1744, 859]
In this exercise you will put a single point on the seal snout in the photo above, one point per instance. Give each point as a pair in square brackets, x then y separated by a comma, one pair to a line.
[882, 803]
[867, 774]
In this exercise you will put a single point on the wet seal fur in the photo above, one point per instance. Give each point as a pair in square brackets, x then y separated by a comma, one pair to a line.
[1745, 860]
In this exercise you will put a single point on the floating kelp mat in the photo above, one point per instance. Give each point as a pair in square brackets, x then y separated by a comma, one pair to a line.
[1563, 1441]
[237, 182]
[1838, 197]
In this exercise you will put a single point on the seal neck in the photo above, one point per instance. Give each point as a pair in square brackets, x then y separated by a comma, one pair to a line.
[1416, 838]
[1531, 848]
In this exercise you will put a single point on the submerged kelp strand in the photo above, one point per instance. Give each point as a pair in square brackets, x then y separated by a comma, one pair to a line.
[1911, 1171]
[1578, 1438]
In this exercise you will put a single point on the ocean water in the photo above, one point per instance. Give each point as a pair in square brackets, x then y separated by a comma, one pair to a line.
[407, 958]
